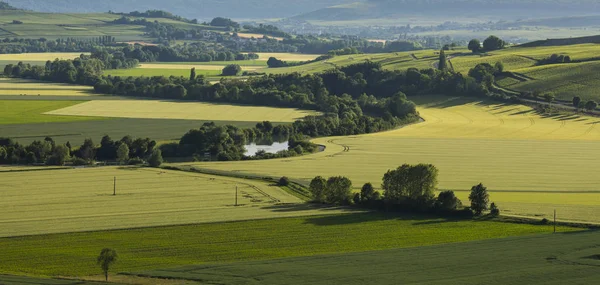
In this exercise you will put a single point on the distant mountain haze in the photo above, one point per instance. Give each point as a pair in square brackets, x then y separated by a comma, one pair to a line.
[499, 9]
[200, 9]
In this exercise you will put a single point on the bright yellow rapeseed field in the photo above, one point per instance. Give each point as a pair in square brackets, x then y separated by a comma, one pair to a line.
[154, 109]
[530, 163]
[53, 201]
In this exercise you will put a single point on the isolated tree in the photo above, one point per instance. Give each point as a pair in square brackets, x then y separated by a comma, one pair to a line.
[193, 74]
[122, 153]
[283, 181]
[317, 189]
[591, 105]
[338, 190]
[443, 63]
[474, 45]
[231, 70]
[479, 198]
[493, 43]
[447, 201]
[576, 101]
[273, 62]
[156, 158]
[106, 258]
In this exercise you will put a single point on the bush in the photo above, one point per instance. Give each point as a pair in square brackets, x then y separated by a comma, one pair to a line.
[494, 211]
[283, 181]
[80, 161]
[156, 158]
[544, 221]
[136, 161]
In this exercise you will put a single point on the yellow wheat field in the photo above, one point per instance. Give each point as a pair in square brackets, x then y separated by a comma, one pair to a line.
[155, 109]
[13, 86]
[82, 200]
[531, 160]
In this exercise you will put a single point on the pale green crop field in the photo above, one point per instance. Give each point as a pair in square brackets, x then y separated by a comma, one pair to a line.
[150, 72]
[533, 164]
[32, 111]
[33, 88]
[156, 109]
[80, 199]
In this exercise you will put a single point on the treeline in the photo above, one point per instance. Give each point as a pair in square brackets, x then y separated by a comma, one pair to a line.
[20, 45]
[269, 30]
[491, 43]
[194, 52]
[158, 14]
[273, 62]
[408, 188]
[86, 69]
[125, 151]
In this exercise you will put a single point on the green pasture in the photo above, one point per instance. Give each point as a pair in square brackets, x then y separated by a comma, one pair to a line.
[73, 254]
[31, 111]
[77, 131]
[565, 258]
[257, 62]
[565, 81]
[149, 72]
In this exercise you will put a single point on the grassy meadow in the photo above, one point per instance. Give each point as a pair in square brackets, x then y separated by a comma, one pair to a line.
[541, 259]
[73, 254]
[33, 88]
[155, 109]
[81, 199]
[535, 164]
[167, 72]
[32, 111]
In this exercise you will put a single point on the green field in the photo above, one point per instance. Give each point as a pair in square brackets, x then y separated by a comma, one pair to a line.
[66, 200]
[32, 111]
[531, 164]
[73, 254]
[542, 259]
[33, 88]
[76, 132]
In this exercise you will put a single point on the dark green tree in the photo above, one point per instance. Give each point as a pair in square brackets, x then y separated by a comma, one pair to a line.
[368, 193]
[549, 97]
[493, 43]
[474, 45]
[283, 181]
[410, 181]
[443, 61]
[576, 101]
[447, 201]
[317, 189]
[193, 74]
[494, 211]
[123, 153]
[156, 158]
[338, 190]
[106, 258]
[231, 70]
[479, 198]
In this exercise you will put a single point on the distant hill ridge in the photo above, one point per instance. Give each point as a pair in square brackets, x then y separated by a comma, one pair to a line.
[564, 42]
[6, 6]
[192, 9]
[506, 9]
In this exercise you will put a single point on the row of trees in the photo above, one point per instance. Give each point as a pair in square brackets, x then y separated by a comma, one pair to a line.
[407, 188]
[590, 105]
[127, 150]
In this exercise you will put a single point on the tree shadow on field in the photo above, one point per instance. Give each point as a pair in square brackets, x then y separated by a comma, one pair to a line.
[365, 217]
[522, 112]
[299, 207]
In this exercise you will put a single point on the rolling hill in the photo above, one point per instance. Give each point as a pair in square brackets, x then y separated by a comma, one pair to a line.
[200, 9]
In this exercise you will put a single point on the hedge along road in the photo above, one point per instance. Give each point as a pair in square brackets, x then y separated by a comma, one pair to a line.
[532, 164]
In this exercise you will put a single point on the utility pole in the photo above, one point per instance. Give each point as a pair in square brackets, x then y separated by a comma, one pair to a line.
[236, 194]
[115, 187]
[554, 220]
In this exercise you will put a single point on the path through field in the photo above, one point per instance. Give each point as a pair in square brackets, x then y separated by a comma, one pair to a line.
[532, 164]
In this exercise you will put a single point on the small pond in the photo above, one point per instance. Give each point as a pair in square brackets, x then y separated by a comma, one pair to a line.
[275, 147]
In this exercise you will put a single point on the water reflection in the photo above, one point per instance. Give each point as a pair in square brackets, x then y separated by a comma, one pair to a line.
[274, 147]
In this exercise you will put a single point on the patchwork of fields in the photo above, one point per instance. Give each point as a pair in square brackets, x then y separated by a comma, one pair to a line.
[32, 88]
[31, 111]
[73, 254]
[532, 164]
[54, 201]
